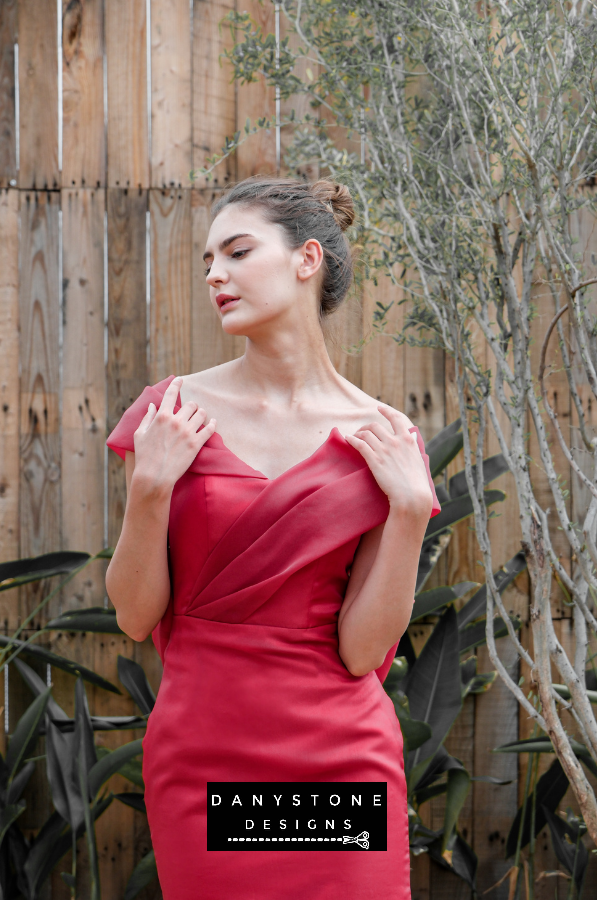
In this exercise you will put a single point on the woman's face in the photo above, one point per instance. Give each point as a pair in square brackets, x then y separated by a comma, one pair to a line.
[255, 280]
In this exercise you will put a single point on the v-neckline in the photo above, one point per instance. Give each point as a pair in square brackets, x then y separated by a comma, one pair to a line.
[286, 471]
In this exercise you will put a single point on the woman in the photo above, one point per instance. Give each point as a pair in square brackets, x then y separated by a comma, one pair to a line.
[275, 562]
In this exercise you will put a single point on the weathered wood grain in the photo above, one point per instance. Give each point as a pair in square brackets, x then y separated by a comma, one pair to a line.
[8, 37]
[210, 345]
[257, 155]
[38, 95]
[214, 92]
[83, 138]
[171, 159]
[9, 381]
[424, 389]
[83, 389]
[40, 497]
[127, 373]
[126, 53]
[383, 357]
[170, 282]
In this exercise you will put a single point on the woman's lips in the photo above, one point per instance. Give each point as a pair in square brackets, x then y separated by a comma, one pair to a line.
[226, 301]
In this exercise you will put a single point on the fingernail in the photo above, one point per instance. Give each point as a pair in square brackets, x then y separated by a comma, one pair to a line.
[178, 378]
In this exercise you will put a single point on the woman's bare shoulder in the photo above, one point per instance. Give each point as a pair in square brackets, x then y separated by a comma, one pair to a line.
[367, 405]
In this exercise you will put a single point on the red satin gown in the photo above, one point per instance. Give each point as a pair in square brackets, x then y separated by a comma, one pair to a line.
[254, 688]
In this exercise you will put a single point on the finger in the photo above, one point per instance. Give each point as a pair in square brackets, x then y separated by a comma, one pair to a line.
[206, 432]
[171, 395]
[380, 431]
[397, 420]
[362, 446]
[364, 434]
[147, 418]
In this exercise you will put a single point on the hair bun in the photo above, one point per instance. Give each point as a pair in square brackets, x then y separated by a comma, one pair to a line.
[337, 197]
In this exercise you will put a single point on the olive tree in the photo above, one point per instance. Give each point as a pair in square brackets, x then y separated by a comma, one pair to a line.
[476, 150]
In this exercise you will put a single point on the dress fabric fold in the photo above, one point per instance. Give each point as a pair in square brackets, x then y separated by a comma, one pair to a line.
[254, 689]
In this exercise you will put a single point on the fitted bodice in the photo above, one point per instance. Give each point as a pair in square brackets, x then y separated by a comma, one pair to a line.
[244, 548]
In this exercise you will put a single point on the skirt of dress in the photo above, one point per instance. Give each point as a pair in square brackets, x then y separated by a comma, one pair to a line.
[256, 703]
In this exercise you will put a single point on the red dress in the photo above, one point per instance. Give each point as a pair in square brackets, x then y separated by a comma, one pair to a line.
[254, 689]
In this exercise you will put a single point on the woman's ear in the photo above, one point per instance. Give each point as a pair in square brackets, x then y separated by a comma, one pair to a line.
[311, 259]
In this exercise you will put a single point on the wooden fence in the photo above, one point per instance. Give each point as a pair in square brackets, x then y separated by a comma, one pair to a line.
[105, 108]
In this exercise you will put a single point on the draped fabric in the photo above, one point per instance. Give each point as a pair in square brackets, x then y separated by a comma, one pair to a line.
[253, 687]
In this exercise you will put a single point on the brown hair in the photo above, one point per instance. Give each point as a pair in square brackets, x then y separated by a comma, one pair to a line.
[323, 211]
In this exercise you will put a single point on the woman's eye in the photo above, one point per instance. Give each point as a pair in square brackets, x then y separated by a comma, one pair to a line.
[207, 271]
[236, 253]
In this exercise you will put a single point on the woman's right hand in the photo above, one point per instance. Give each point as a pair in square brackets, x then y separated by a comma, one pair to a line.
[166, 443]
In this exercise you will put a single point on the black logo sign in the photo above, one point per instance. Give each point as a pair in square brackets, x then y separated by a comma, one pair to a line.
[282, 815]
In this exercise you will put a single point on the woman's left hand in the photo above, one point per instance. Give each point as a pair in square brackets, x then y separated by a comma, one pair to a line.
[396, 462]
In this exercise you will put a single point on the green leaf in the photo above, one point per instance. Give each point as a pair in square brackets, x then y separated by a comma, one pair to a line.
[9, 815]
[144, 874]
[433, 687]
[34, 568]
[111, 763]
[457, 510]
[574, 856]
[134, 800]
[475, 636]
[104, 723]
[96, 619]
[86, 758]
[564, 692]
[60, 662]
[25, 734]
[135, 681]
[549, 791]
[434, 445]
[480, 683]
[68, 879]
[477, 605]
[459, 782]
[37, 686]
[427, 602]
[20, 782]
[61, 774]
[493, 467]
[442, 456]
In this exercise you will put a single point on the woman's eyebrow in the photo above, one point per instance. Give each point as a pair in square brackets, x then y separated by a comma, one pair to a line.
[225, 243]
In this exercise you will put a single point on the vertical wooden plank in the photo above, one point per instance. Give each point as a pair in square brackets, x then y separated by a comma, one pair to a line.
[170, 283]
[127, 327]
[83, 139]
[126, 53]
[424, 389]
[40, 521]
[257, 156]
[214, 93]
[343, 331]
[38, 95]
[84, 390]
[210, 345]
[9, 379]
[8, 37]
[383, 357]
[171, 160]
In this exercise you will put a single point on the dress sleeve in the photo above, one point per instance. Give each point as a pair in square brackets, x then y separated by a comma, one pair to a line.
[436, 507]
[121, 438]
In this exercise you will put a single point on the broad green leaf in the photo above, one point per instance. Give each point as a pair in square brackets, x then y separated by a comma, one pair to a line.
[459, 782]
[62, 776]
[571, 853]
[435, 443]
[441, 456]
[67, 665]
[427, 602]
[544, 745]
[20, 782]
[144, 874]
[430, 553]
[397, 673]
[475, 635]
[96, 619]
[549, 790]
[493, 467]
[25, 734]
[457, 510]
[433, 687]
[34, 568]
[37, 686]
[9, 815]
[134, 800]
[414, 732]
[477, 605]
[135, 681]
[86, 758]
[480, 683]
[105, 723]
[111, 763]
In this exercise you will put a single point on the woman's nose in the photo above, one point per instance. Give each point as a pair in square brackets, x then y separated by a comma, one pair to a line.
[216, 276]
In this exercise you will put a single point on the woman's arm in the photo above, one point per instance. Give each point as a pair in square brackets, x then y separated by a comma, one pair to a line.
[137, 580]
[380, 593]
